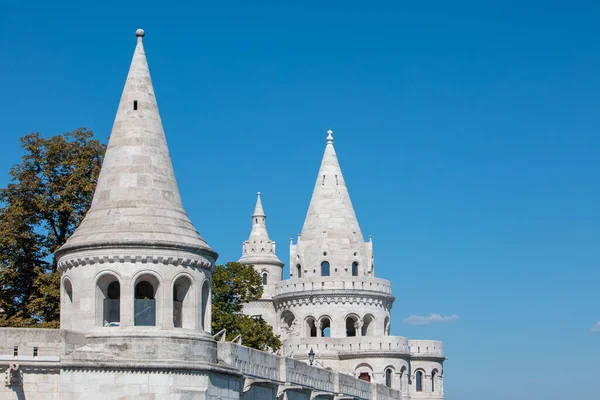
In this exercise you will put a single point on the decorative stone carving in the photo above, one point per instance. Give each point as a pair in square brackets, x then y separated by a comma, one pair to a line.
[12, 375]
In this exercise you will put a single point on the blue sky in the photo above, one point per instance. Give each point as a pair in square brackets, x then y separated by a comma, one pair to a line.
[468, 133]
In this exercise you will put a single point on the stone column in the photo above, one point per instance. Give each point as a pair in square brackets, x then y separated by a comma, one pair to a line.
[358, 327]
[397, 381]
[126, 305]
[426, 383]
[405, 386]
[318, 327]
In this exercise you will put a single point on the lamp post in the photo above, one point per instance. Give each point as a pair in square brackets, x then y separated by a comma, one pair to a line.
[311, 356]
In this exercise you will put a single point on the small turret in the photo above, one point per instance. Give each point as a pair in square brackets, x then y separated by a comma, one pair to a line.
[259, 250]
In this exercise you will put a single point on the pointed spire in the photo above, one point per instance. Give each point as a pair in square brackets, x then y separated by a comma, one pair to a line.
[259, 248]
[137, 199]
[331, 231]
[258, 210]
[330, 207]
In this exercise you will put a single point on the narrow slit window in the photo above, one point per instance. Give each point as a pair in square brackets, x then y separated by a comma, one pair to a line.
[323, 180]
[324, 268]
[135, 105]
[35, 351]
[354, 269]
[336, 180]
[16, 351]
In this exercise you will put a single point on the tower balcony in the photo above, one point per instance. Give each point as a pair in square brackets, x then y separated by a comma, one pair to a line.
[334, 284]
[347, 347]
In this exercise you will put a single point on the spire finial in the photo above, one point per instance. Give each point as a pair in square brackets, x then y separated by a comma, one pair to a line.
[330, 136]
[140, 33]
[258, 210]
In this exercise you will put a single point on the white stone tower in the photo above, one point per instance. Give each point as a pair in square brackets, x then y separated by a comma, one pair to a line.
[136, 275]
[335, 306]
[259, 250]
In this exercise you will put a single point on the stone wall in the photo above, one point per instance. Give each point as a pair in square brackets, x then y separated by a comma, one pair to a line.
[297, 378]
[53, 374]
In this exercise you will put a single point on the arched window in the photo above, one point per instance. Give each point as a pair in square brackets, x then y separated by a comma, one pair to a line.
[325, 327]
[183, 305]
[287, 318]
[264, 278]
[355, 269]
[206, 302]
[368, 326]
[325, 268]
[388, 377]
[311, 328]
[419, 381]
[386, 326]
[108, 300]
[351, 325]
[299, 271]
[433, 375]
[145, 302]
[68, 291]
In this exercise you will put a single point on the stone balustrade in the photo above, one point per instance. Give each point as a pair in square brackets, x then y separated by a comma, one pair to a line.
[327, 345]
[355, 387]
[286, 372]
[426, 348]
[332, 283]
[249, 361]
[299, 373]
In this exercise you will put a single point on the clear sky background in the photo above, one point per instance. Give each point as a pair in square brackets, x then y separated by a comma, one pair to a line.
[468, 133]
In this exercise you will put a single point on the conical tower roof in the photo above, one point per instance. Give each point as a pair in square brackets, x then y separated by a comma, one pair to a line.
[330, 210]
[137, 200]
[259, 248]
[331, 232]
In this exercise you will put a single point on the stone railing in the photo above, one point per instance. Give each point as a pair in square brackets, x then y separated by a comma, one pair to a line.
[299, 373]
[355, 387]
[426, 348]
[329, 345]
[249, 361]
[331, 283]
[258, 366]
[384, 392]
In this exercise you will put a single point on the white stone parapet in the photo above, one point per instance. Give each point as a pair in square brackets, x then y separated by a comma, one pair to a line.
[331, 345]
[258, 366]
[333, 283]
[426, 348]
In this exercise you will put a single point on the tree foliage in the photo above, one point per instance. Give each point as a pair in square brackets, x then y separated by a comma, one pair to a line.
[235, 284]
[50, 193]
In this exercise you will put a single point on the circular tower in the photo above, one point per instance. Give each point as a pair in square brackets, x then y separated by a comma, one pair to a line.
[334, 309]
[136, 275]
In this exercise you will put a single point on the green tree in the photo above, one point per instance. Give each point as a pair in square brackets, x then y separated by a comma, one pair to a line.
[233, 285]
[50, 193]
